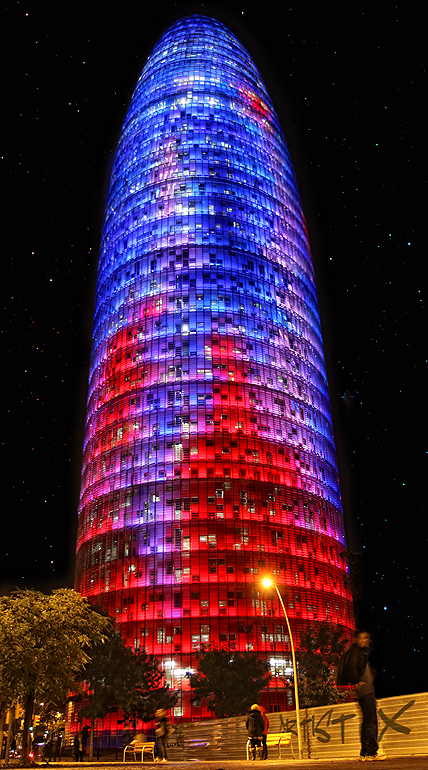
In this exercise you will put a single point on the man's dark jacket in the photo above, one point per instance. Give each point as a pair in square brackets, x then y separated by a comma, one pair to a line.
[255, 724]
[356, 662]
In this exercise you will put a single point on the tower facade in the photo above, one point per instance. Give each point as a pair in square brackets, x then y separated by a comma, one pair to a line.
[209, 458]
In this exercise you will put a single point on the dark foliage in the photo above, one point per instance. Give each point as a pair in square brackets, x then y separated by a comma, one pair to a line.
[230, 681]
[320, 648]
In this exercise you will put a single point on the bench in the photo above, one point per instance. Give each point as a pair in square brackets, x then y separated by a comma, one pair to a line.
[148, 748]
[275, 739]
[280, 739]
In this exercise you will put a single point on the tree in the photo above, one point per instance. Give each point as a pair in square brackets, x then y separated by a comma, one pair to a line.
[45, 642]
[231, 681]
[102, 680]
[119, 679]
[144, 692]
[318, 654]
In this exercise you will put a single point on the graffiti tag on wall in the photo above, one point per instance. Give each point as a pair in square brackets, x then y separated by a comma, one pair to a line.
[321, 727]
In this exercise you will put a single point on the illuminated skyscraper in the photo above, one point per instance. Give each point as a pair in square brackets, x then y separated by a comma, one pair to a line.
[209, 456]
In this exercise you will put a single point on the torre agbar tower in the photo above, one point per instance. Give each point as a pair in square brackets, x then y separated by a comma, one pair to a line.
[209, 458]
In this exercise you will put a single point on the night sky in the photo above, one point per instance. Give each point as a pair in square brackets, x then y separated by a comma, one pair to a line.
[346, 79]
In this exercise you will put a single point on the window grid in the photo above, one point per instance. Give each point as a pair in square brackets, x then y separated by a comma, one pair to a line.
[209, 456]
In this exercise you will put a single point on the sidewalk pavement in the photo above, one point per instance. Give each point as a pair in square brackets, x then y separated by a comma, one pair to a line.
[416, 762]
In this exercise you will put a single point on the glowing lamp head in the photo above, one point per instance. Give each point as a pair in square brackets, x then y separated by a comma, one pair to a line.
[267, 582]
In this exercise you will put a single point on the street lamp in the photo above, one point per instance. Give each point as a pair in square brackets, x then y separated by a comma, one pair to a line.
[268, 584]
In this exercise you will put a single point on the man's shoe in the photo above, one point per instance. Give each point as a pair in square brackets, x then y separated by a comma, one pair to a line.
[376, 758]
[362, 758]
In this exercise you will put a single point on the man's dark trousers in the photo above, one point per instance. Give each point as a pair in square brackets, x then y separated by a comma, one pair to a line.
[369, 744]
[264, 745]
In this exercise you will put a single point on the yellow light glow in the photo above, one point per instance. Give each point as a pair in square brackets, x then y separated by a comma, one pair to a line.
[267, 582]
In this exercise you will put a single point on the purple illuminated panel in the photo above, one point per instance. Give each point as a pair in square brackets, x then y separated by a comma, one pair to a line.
[209, 456]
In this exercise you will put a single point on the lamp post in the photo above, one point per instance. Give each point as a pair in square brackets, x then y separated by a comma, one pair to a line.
[268, 584]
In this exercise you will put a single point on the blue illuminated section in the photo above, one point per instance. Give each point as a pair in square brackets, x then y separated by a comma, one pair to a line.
[209, 454]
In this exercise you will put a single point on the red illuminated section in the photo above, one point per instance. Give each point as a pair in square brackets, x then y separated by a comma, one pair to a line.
[257, 104]
[191, 496]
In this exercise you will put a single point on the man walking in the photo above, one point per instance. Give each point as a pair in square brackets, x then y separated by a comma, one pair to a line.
[361, 676]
